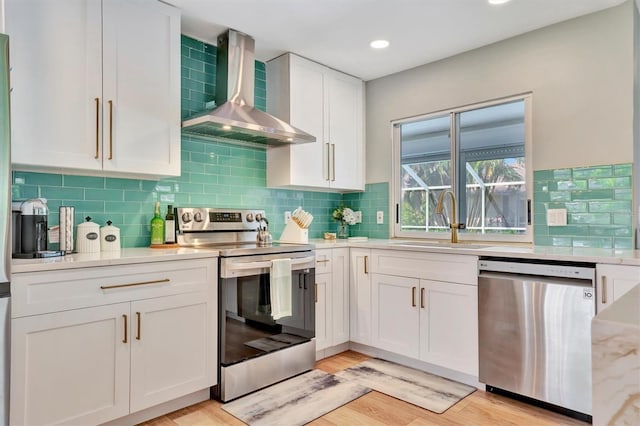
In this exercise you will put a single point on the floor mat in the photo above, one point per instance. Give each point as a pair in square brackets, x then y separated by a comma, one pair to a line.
[417, 387]
[296, 401]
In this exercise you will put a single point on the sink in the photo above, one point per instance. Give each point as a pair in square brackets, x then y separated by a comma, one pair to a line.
[438, 244]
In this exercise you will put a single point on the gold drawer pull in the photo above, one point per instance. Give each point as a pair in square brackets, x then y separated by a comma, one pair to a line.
[366, 270]
[328, 163]
[604, 290]
[97, 128]
[316, 293]
[124, 340]
[422, 297]
[107, 287]
[110, 129]
[322, 261]
[413, 297]
[139, 322]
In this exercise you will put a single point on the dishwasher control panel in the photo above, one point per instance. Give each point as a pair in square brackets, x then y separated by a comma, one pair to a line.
[547, 270]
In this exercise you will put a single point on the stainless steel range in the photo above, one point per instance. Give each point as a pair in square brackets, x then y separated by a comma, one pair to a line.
[266, 298]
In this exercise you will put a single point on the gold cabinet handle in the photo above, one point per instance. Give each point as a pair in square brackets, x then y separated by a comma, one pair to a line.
[315, 289]
[366, 258]
[413, 297]
[603, 297]
[422, 297]
[139, 322]
[97, 128]
[333, 162]
[328, 163]
[110, 129]
[107, 287]
[126, 327]
[322, 261]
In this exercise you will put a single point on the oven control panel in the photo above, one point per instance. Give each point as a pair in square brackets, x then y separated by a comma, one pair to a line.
[207, 219]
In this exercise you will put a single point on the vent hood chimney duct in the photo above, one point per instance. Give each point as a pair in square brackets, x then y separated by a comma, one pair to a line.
[235, 117]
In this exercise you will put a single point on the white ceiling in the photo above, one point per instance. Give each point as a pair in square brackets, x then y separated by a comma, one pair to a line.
[337, 32]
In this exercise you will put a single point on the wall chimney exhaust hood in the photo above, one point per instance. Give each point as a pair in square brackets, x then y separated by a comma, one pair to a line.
[235, 117]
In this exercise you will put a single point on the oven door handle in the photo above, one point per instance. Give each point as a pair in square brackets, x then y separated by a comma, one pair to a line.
[236, 266]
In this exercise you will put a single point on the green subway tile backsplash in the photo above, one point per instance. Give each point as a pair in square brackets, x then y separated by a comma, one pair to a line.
[213, 174]
[374, 199]
[598, 203]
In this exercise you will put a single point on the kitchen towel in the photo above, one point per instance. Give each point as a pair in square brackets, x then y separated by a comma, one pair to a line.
[280, 288]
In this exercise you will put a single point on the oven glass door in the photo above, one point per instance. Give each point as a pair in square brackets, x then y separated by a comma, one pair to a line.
[247, 327]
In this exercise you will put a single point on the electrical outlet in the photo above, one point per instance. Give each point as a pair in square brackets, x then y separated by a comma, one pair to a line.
[557, 217]
[287, 217]
[358, 216]
[380, 217]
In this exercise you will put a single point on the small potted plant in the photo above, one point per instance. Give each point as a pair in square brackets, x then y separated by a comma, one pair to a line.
[345, 216]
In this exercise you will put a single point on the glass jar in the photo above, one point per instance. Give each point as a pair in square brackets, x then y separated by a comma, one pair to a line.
[343, 230]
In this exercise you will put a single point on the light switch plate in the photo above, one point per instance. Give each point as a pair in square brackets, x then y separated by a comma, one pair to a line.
[380, 217]
[556, 217]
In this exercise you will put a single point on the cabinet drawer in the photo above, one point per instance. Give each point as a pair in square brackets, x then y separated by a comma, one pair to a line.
[454, 268]
[42, 292]
[323, 261]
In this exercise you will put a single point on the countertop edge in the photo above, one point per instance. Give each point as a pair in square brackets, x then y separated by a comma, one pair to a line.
[519, 251]
[123, 257]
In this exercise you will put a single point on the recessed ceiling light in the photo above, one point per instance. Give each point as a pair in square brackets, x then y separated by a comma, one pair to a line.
[379, 44]
[498, 1]
[226, 127]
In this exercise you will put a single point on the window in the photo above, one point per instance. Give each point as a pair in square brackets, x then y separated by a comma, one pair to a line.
[481, 154]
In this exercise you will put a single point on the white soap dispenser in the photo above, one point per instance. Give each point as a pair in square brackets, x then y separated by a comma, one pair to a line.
[109, 237]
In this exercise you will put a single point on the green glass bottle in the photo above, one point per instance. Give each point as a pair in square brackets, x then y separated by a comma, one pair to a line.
[157, 227]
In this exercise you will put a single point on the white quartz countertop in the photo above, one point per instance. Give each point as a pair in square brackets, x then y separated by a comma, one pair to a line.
[521, 251]
[624, 311]
[122, 257]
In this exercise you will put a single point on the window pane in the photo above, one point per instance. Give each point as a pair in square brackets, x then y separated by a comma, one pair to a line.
[425, 171]
[492, 184]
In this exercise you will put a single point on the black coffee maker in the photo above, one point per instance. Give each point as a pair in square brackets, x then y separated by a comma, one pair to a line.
[30, 229]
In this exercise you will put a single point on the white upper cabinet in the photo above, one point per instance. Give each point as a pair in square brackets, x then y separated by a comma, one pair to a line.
[95, 86]
[327, 104]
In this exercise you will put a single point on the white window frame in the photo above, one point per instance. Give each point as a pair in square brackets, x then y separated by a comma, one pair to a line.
[396, 190]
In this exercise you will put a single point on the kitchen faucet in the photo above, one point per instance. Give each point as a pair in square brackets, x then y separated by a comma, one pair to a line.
[453, 225]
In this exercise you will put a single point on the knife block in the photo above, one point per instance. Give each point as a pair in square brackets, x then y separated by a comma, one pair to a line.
[293, 233]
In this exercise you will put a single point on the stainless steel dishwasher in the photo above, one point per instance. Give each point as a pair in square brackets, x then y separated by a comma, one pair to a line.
[535, 331]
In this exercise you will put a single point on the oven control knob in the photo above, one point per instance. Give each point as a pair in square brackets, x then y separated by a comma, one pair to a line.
[249, 217]
[186, 217]
[197, 217]
[259, 217]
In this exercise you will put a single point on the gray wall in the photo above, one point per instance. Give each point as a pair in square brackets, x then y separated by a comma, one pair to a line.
[579, 71]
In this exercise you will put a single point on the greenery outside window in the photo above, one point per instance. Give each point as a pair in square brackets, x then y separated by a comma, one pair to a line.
[482, 153]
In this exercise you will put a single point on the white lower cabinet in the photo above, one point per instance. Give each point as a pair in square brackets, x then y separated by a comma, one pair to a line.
[323, 311]
[449, 325]
[360, 296]
[70, 367]
[332, 297]
[98, 363]
[612, 281]
[395, 314]
[419, 305]
[433, 321]
[169, 353]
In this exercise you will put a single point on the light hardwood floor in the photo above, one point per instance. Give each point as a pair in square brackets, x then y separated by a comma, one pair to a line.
[479, 408]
